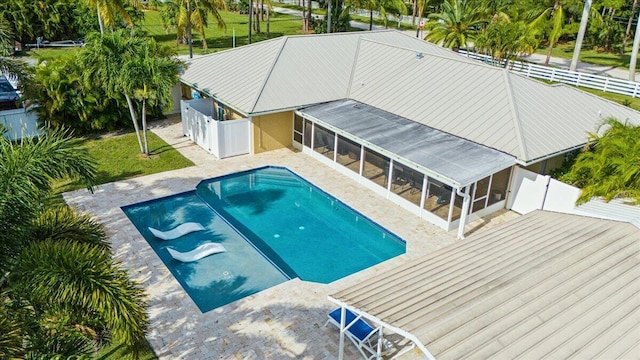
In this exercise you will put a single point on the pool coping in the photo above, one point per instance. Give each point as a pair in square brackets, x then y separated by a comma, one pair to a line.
[285, 321]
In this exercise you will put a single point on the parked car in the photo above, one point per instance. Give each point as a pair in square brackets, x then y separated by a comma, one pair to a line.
[8, 95]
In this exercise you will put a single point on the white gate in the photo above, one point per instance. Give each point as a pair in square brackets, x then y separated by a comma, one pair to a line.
[528, 191]
[220, 138]
[19, 123]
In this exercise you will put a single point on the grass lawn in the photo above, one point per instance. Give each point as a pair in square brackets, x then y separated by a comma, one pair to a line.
[221, 39]
[119, 158]
[589, 55]
[392, 22]
[631, 102]
[45, 54]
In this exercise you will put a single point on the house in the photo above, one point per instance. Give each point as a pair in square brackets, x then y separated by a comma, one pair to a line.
[435, 132]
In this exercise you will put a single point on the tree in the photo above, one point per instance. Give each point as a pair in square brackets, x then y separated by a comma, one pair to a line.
[109, 10]
[51, 19]
[63, 295]
[104, 58]
[149, 77]
[583, 29]
[457, 24]
[336, 19]
[64, 98]
[369, 5]
[18, 68]
[553, 14]
[395, 7]
[634, 52]
[608, 167]
[419, 7]
[505, 40]
[184, 15]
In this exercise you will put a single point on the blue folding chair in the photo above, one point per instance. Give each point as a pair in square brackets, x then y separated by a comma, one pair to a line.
[361, 334]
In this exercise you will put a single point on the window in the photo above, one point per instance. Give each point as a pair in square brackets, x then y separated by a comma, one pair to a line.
[297, 128]
[480, 197]
[438, 198]
[376, 167]
[348, 154]
[407, 183]
[308, 125]
[323, 141]
[499, 183]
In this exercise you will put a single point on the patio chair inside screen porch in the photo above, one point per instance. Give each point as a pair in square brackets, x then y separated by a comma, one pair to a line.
[361, 334]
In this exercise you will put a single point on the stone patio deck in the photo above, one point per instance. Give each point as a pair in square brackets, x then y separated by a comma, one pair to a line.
[283, 322]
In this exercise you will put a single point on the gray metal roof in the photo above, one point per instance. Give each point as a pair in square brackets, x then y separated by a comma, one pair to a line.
[290, 71]
[411, 78]
[616, 209]
[546, 285]
[446, 157]
[488, 105]
[557, 117]
[233, 76]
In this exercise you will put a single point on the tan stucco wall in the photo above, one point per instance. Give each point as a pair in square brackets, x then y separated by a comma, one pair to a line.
[271, 132]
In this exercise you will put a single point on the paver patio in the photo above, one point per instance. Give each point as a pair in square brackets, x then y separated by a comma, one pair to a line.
[283, 322]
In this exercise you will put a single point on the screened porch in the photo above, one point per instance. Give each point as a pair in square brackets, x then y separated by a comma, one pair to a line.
[422, 169]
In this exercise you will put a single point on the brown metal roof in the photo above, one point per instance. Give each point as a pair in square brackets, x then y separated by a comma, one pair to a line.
[546, 285]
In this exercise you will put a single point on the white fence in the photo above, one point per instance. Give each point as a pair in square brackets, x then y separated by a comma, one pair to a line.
[576, 78]
[220, 138]
[531, 191]
[19, 123]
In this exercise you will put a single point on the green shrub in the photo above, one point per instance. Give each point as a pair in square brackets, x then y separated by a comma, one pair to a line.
[64, 99]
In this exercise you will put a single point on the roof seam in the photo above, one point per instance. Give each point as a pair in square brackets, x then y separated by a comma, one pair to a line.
[353, 68]
[267, 76]
[516, 116]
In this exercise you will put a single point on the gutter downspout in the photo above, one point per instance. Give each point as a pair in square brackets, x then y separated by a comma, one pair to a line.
[466, 202]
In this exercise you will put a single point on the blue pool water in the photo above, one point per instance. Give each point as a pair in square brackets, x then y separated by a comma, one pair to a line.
[274, 225]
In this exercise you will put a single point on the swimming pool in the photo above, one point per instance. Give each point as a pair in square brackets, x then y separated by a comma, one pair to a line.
[275, 226]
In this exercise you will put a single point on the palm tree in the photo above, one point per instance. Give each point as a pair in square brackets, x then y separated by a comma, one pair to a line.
[8, 65]
[419, 7]
[184, 15]
[104, 58]
[609, 167]
[108, 10]
[456, 25]
[505, 40]
[63, 295]
[555, 13]
[395, 7]
[634, 52]
[149, 77]
[581, 32]
[370, 5]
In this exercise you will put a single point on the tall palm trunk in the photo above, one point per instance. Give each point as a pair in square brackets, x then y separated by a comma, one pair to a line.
[309, 14]
[583, 29]
[304, 17]
[135, 121]
[268, 19]
[634, 52]
[250, 19]
[257, 13]
[189, 38]
[370, 20]
[144, 125]
[414, 12]
[628, 31]
[100, 22]
[551, 42]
